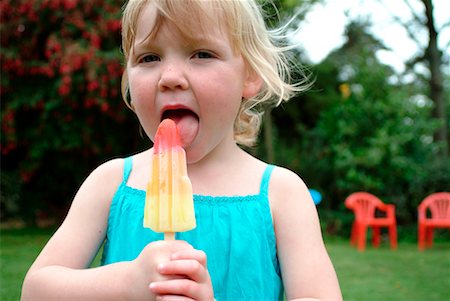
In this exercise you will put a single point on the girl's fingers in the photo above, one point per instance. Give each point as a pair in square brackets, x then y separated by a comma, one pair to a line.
[172, 298]
[189, 268]
[187, 277]
[190, 254]
[177, 289]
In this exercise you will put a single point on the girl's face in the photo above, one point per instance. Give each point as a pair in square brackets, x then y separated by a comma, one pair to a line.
[198, 83]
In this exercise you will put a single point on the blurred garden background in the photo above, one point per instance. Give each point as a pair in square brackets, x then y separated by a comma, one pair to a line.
[363, 126]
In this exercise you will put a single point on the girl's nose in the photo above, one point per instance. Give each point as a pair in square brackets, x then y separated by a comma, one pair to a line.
[172, 78]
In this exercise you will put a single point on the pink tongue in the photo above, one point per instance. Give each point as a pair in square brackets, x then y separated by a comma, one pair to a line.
[188, 128]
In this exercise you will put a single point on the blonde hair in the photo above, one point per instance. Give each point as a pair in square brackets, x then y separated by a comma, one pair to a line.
[244, 23]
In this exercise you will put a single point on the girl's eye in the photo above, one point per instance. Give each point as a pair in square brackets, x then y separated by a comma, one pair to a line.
[150, 58]
[203, 55]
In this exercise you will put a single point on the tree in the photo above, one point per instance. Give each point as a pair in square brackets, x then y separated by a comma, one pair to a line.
[61, 107]
[433, 58]
[357, 130]
[291, 12]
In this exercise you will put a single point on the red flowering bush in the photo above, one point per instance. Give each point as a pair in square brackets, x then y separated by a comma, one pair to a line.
[61, 109]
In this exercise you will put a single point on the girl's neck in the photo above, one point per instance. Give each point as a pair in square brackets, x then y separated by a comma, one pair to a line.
[234, 173]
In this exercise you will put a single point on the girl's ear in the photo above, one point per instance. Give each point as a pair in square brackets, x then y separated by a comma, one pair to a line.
[252, 85]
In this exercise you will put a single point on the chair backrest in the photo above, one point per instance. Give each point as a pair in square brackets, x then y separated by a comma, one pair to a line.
[439, 205]
[363, 204]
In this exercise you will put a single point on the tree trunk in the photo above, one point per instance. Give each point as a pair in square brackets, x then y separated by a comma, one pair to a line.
[268, 136]
[436, 82]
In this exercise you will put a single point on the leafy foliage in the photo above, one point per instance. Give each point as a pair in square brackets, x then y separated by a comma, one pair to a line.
[60, 89]
[358, 128]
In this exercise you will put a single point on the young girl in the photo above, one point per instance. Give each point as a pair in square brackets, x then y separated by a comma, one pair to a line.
[207, 65]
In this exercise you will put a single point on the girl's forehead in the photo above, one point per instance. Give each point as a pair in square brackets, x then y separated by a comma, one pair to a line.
[191, 22]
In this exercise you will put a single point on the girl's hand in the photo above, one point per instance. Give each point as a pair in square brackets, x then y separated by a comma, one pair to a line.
[145, 268]
[187, 277]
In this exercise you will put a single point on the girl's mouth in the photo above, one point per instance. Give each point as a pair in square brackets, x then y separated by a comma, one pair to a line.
[187, 123]
[177, 114]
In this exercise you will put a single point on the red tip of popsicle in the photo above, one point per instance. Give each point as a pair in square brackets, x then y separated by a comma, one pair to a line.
[167, 136]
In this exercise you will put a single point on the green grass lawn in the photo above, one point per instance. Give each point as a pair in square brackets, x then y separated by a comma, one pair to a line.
[18, 249]
[384, 274]
[376, 274]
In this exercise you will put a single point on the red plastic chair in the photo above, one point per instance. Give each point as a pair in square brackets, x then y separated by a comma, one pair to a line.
[367, 209]
[438, 204]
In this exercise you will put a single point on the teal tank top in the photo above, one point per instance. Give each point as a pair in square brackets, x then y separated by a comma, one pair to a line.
[235, 232]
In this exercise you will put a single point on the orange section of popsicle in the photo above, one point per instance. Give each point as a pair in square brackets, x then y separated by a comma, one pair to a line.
[169, 205]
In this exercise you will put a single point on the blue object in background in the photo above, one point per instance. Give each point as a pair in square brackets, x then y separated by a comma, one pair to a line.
[316, 196]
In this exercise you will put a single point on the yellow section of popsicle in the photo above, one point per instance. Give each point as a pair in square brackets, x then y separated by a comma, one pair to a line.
[169, 205]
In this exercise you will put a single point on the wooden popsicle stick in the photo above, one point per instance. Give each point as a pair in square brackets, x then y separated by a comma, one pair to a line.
[169, 235]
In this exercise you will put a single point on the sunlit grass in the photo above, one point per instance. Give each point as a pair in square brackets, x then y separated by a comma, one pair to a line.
[384, 274]
[375, 274]
[18, 249]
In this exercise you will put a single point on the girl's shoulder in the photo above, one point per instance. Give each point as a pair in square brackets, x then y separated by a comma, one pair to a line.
[113, 170]
[105, 178]
[282, 177]
[109, 170]
[285, 185]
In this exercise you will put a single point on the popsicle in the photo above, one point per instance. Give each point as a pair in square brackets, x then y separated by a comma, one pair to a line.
[169, 205]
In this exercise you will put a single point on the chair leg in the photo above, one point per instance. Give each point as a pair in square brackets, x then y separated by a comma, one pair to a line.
[376, 239]
[354, 234]
[393, 236]
[421, 237]
[429, 237]
[362, 233]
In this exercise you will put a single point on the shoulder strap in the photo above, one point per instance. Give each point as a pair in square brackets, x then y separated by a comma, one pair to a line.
[264, 189]
[127, 166]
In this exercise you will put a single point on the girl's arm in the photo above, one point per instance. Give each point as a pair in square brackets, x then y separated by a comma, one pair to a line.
[61, 270]
[308, 273]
